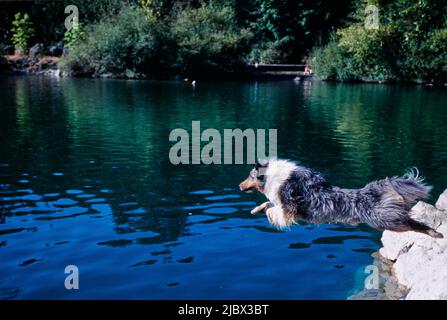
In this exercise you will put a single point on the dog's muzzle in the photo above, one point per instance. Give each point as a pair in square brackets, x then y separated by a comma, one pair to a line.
[247, 185]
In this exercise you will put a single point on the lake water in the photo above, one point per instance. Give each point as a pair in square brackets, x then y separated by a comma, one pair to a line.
[85, 180]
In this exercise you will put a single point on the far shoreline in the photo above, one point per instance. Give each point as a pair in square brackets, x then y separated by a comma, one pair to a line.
[47, 66]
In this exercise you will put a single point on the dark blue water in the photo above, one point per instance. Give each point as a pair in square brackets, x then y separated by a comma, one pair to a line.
[85, 180]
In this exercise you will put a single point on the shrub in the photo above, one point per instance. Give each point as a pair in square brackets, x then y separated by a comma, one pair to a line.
[208, 38]
[373, 49]
[22, 32]
[123, 44]
[333, 62]
[73, 35]
[138, 40]
[427, 60]
[410, 44]
[268, 52]
[286, 29]
[437, 54]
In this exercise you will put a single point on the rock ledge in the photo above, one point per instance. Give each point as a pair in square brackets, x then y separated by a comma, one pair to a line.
[417, 262]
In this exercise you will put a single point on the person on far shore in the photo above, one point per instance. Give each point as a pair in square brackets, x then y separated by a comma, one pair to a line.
[307, 70]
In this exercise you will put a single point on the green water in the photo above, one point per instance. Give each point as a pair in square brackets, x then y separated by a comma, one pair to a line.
[85, 179]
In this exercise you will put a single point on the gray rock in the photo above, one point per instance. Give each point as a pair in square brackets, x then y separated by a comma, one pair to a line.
[9, 50]
[428, 214]
[56, 50]
[389, 288]
[397, 243]
[420, 261]
[441, 204]
[423, 270]
[35, 50]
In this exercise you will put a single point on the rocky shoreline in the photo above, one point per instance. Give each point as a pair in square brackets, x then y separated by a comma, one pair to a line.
[413, 266]
[47, 65]
[26, 65]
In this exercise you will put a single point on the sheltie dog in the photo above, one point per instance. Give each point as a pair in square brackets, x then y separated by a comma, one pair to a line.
[298, 193]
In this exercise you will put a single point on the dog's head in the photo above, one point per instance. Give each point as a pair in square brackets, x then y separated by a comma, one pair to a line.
[257, 177]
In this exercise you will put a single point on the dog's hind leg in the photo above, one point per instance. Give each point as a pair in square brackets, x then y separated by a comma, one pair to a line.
[262, 207]
[416, 226]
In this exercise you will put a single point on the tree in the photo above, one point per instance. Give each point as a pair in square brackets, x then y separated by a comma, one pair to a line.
[208, 38]
[22, 32]
[286, 29]
[123, 44]
[408, 44]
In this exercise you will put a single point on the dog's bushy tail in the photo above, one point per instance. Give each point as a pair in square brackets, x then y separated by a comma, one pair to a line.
[411, 187]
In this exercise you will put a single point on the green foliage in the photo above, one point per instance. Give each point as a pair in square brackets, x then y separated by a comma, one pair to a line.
[194, 36]
[267, 52]
[91, 11]
[138, 39]
[427, 60]
[208, 38]
[333, 62]
[286, 29]
[123, 44]
[22, 32]
[73, 35]
[373, 49]
[436, 45]
[409, 44]
[151, 7]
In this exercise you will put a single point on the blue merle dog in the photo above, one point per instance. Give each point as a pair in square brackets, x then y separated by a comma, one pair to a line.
[298, 193]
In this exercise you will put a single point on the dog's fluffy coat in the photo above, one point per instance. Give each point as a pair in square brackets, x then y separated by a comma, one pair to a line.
[296, 192]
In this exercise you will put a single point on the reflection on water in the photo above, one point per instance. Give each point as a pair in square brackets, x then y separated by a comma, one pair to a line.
[85, 179]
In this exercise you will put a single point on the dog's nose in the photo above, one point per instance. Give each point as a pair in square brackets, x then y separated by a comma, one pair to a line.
[246, 185]
[243, 186]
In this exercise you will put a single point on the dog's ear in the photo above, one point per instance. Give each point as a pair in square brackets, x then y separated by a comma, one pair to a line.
[261, 163]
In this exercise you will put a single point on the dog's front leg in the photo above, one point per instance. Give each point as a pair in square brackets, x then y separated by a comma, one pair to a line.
[278, 218]
[262, 207]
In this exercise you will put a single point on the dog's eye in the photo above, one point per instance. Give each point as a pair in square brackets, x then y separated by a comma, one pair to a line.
[261, 178]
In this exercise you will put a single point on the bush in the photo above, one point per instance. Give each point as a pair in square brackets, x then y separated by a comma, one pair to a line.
[410, 44]
[437, 53]
[427, 59]
[333, 62]
[268, 52]
[208, 39]
[22, 32]
[73, 35]
[373, 49]
[138, 40]
[123, 44]
[286, 29]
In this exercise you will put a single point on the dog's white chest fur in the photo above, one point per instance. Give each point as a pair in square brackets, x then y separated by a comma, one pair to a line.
[277, 172]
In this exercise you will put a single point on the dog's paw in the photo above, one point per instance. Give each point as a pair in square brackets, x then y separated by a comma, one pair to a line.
[261, 207]
[256, 210]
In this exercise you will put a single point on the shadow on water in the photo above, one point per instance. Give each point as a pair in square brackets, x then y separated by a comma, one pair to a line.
[85, 179]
